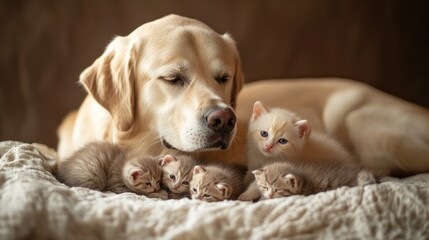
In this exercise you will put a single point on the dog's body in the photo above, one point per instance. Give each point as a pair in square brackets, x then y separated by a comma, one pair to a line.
[172, 83]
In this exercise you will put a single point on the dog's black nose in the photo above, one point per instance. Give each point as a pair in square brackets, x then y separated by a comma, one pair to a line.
[220, 120]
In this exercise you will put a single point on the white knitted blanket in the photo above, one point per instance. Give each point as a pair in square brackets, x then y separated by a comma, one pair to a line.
[34, 205]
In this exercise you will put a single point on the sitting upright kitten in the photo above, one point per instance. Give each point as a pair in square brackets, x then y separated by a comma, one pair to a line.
[103, 166]
[177, 174]
[277, 135]
[215, 183]
[282, 179]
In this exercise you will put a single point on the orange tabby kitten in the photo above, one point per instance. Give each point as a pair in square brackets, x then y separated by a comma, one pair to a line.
[215, 183]
[177, 174]
[277, 134]
[284, 179]
[103, 166]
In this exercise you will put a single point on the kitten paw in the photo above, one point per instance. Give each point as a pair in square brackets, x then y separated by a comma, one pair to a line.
[365, 177]
[162, 194]
[172, 195]
[119, 188]
[245, 197]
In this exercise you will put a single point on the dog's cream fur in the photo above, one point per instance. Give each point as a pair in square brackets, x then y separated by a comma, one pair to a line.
[135, 101]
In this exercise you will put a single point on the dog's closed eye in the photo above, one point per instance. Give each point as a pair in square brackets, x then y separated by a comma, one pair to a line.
[222, 78]
[176, 79]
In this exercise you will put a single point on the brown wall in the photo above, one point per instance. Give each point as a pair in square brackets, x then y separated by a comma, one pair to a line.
[44, 45]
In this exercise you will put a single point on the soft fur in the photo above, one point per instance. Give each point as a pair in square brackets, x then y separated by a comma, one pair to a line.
[96, 166]
[131, 103]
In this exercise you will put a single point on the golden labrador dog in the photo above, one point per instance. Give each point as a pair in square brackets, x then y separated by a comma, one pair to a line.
[172, 85]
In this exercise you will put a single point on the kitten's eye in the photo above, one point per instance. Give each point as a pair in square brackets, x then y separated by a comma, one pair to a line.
[283, 141]
[278, 190]
[263, 188]
[148, 184]
[194, 190]
[264, 133]
[207, 195]
[172, 177]
[185, 183]
[158, 181]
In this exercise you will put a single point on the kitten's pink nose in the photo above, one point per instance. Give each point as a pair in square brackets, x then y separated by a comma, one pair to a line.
[176, 186]
[268, 147]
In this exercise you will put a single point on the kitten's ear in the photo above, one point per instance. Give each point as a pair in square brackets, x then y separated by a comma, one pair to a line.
[135, 173]
[292, 180]
[160, 162]
[166, 160]
[198, 169]
[258, 172]
[258, 110]
[225, 189]
[304, 128]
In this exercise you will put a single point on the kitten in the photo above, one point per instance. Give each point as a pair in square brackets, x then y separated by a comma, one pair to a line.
[278, 134]
[282, 179]
[177, 174]
[215, 183]
[103, 166]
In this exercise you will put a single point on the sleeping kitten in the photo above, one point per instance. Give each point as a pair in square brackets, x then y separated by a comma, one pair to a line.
[215, 183]
[277, 134]
[282, 179]
[103, 166]
[177, 174]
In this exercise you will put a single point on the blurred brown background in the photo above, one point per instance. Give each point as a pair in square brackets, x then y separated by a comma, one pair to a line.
[44, 45]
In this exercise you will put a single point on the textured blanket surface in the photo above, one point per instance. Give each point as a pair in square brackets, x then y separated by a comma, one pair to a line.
[34, 205]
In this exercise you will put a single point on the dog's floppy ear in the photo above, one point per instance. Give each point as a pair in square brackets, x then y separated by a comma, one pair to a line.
[110, 81]
[238, 75]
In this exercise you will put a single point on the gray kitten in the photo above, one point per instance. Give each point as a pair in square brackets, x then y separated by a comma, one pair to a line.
[103, 166]
[177, 174]
[282, 179]
[215, 183]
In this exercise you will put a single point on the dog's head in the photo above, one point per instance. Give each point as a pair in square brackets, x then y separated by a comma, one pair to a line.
[174, 76]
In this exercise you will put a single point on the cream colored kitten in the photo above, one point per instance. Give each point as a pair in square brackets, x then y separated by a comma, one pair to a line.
[282, 179]
[103, 166]
[215, 183]
[277, 134]
[177, 174]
